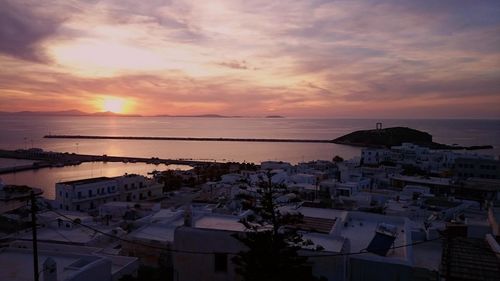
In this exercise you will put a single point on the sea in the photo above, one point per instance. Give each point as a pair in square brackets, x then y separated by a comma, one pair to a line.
[21, 132]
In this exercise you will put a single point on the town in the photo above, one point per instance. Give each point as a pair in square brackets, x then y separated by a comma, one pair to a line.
[404, 213]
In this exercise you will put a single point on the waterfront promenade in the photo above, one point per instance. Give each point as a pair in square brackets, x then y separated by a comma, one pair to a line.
[59, 159]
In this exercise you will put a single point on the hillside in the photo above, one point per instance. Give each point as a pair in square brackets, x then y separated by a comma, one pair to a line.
[396, 136]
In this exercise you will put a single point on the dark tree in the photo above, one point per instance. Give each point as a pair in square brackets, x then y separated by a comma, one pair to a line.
[272, 242]
[170, 180]
[338, 159]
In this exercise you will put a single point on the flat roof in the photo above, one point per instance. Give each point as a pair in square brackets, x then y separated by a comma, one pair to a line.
[160, 233]
[77, 235]
[428, 254]
[17, 264]
[320, 225]
[427, 180]
[316, 212]
[17, 192]
[86, 181]
[328, 242]
[360, 229]
[220, 223]
[17, 260]
[166, 215]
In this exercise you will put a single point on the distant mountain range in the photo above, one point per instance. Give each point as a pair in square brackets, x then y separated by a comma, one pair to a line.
[202, 115]
[74, 112]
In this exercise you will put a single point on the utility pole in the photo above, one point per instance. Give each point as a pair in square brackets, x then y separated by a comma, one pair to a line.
[33, 228]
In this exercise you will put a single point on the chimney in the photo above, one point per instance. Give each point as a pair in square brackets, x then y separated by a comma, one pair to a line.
[49, 270]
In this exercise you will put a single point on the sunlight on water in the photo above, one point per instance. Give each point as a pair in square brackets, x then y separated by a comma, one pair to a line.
[48, 177]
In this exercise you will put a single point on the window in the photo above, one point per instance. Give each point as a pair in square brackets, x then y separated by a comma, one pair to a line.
[90, 193]
[78, 207]
[79, 194]
[220, 262]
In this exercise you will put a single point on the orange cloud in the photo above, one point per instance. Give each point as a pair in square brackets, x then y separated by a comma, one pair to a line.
[299, 58]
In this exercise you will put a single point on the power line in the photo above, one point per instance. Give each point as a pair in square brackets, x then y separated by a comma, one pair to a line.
[60, 234]
[363, 251]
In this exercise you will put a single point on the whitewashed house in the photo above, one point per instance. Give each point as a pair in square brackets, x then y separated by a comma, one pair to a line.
[89, 194]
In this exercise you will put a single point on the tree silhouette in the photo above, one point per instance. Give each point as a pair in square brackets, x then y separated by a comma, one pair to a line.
[272, 241]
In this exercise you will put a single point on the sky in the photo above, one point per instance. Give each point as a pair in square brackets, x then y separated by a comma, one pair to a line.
[312, 58]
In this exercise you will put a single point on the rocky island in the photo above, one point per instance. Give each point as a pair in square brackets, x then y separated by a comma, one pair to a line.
[396, 136]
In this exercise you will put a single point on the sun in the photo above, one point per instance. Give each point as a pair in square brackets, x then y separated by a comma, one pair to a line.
[115, 105]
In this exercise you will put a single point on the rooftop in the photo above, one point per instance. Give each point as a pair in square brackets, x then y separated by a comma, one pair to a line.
[17, 260]
[328, 242]
[158, 233]
[87, 181]
[424, 180]
[17, 264]
[469, 259]
[319, 225]
[360, 230]
[17, 192]
[230, 223]
[428, 254]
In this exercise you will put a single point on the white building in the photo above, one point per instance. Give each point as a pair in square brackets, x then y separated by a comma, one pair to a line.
[348, 189]
[375, 156]
[327, 168]
[276, 165]
[63, 229]
[63, 263]
[360, 231]
[277, 177]
[304, 178]
[117, 210]
[157, 231]
[89, 194]
[205, 250]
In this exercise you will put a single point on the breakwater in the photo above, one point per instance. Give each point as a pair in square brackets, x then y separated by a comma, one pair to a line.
[186, 138]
